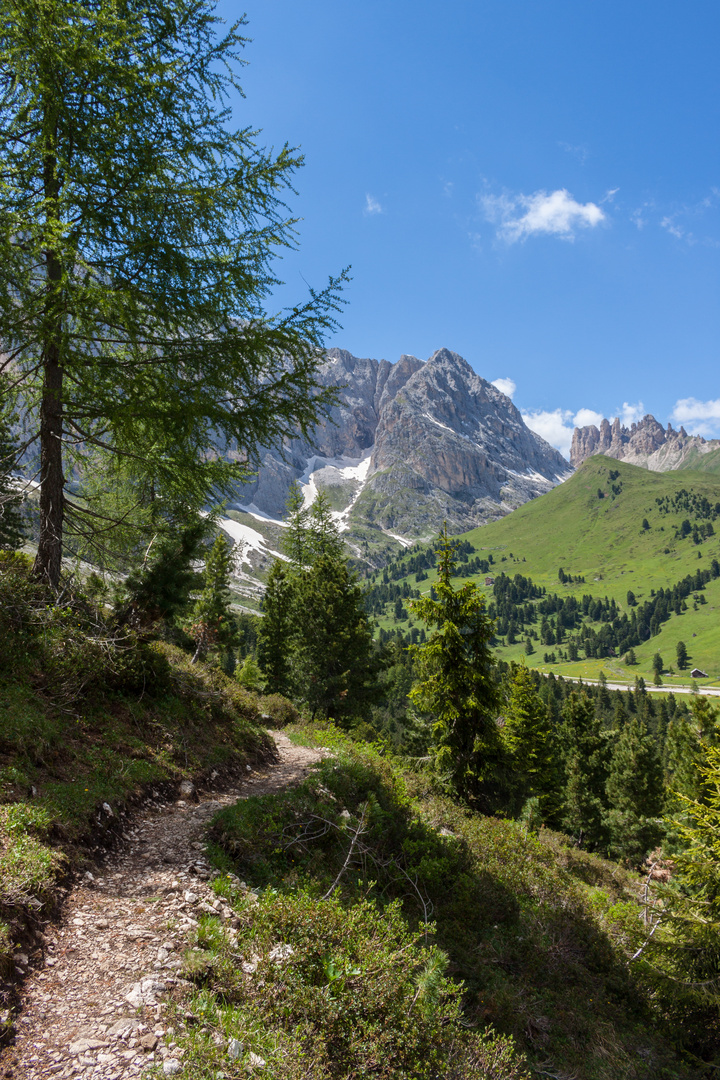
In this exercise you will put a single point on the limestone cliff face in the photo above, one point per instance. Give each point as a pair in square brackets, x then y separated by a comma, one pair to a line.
[409, 445]
[647, 444]
[454, 436]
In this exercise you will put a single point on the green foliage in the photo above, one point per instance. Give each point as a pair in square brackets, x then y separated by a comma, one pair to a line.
[276, 628]
[682, 655]
[249, 674]
[521, 918]
[456, 685]
[211, 622]
[634, 793]
[336, 993]
[529, 739]
[158, 590]
[315, 640]
[332, 662]
[585, 766]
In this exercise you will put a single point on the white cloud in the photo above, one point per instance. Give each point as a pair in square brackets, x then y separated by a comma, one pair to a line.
[555, 213]
[699, 417]
[609, 195]
[505, 386]
[372, 206]
[631, 414]
[586, 417]
[556, 426]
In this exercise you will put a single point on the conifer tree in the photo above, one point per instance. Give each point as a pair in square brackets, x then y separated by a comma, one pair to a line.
[332, 656]
[211, 620]
[277, 628]
[456, 684]
[634, 793]
[528, 738]
[584, 760]
[315, 640]
[159, 590]
[296, 536]
[324, 538]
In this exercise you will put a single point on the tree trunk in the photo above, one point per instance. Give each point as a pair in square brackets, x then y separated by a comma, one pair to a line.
[52, 481]
[48, 561]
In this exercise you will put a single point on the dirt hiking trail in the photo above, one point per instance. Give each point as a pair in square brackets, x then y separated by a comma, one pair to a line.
[94, 1000]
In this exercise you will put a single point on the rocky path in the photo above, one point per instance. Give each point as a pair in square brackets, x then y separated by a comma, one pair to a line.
[94, 1000]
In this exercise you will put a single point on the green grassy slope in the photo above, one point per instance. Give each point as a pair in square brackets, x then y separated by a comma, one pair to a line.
[707, 463]
[602, 540]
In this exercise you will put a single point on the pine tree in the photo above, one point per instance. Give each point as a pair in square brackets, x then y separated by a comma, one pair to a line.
[456, 685]
[332, 650]
[211, 621]
[159, 590]
[276, 629]
[528, 738]
[583, 753]
[634, 793]
[296, 537]
[324, 538]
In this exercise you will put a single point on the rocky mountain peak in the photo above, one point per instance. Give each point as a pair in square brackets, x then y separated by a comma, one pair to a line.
[646, 443]
[410, 445]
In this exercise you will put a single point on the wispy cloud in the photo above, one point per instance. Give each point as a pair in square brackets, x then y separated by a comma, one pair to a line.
[372, 206]
[580, 152]
[609, 195]
[556, 426]
[554, 213]
[678, 222]
[505, 386]
[699, 417]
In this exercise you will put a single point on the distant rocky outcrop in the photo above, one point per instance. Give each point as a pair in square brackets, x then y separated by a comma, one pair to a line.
[408, 446]
[647, 444]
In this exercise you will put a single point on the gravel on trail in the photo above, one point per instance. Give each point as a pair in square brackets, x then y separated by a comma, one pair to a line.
[93, 1005]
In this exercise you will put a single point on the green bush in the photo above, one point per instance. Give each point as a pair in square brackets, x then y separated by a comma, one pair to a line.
[280, 710]
[337, 993]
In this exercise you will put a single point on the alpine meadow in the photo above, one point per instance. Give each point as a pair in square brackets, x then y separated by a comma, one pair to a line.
[355, 720]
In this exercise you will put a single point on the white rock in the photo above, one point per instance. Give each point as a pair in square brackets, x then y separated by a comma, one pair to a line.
[190, 897]
[255, 1061]
[171, 1066]
[135, 996]
[235, 1049]
[281, 952]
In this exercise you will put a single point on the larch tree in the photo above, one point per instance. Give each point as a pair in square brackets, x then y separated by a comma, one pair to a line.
[138, 229]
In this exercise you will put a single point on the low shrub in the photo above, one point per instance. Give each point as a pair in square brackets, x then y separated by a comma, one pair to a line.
[319, 991]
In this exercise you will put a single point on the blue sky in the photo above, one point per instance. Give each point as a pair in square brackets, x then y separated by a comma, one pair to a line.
[534, 184]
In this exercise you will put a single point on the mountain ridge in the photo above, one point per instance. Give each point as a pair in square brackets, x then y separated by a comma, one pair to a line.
[645, 443]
